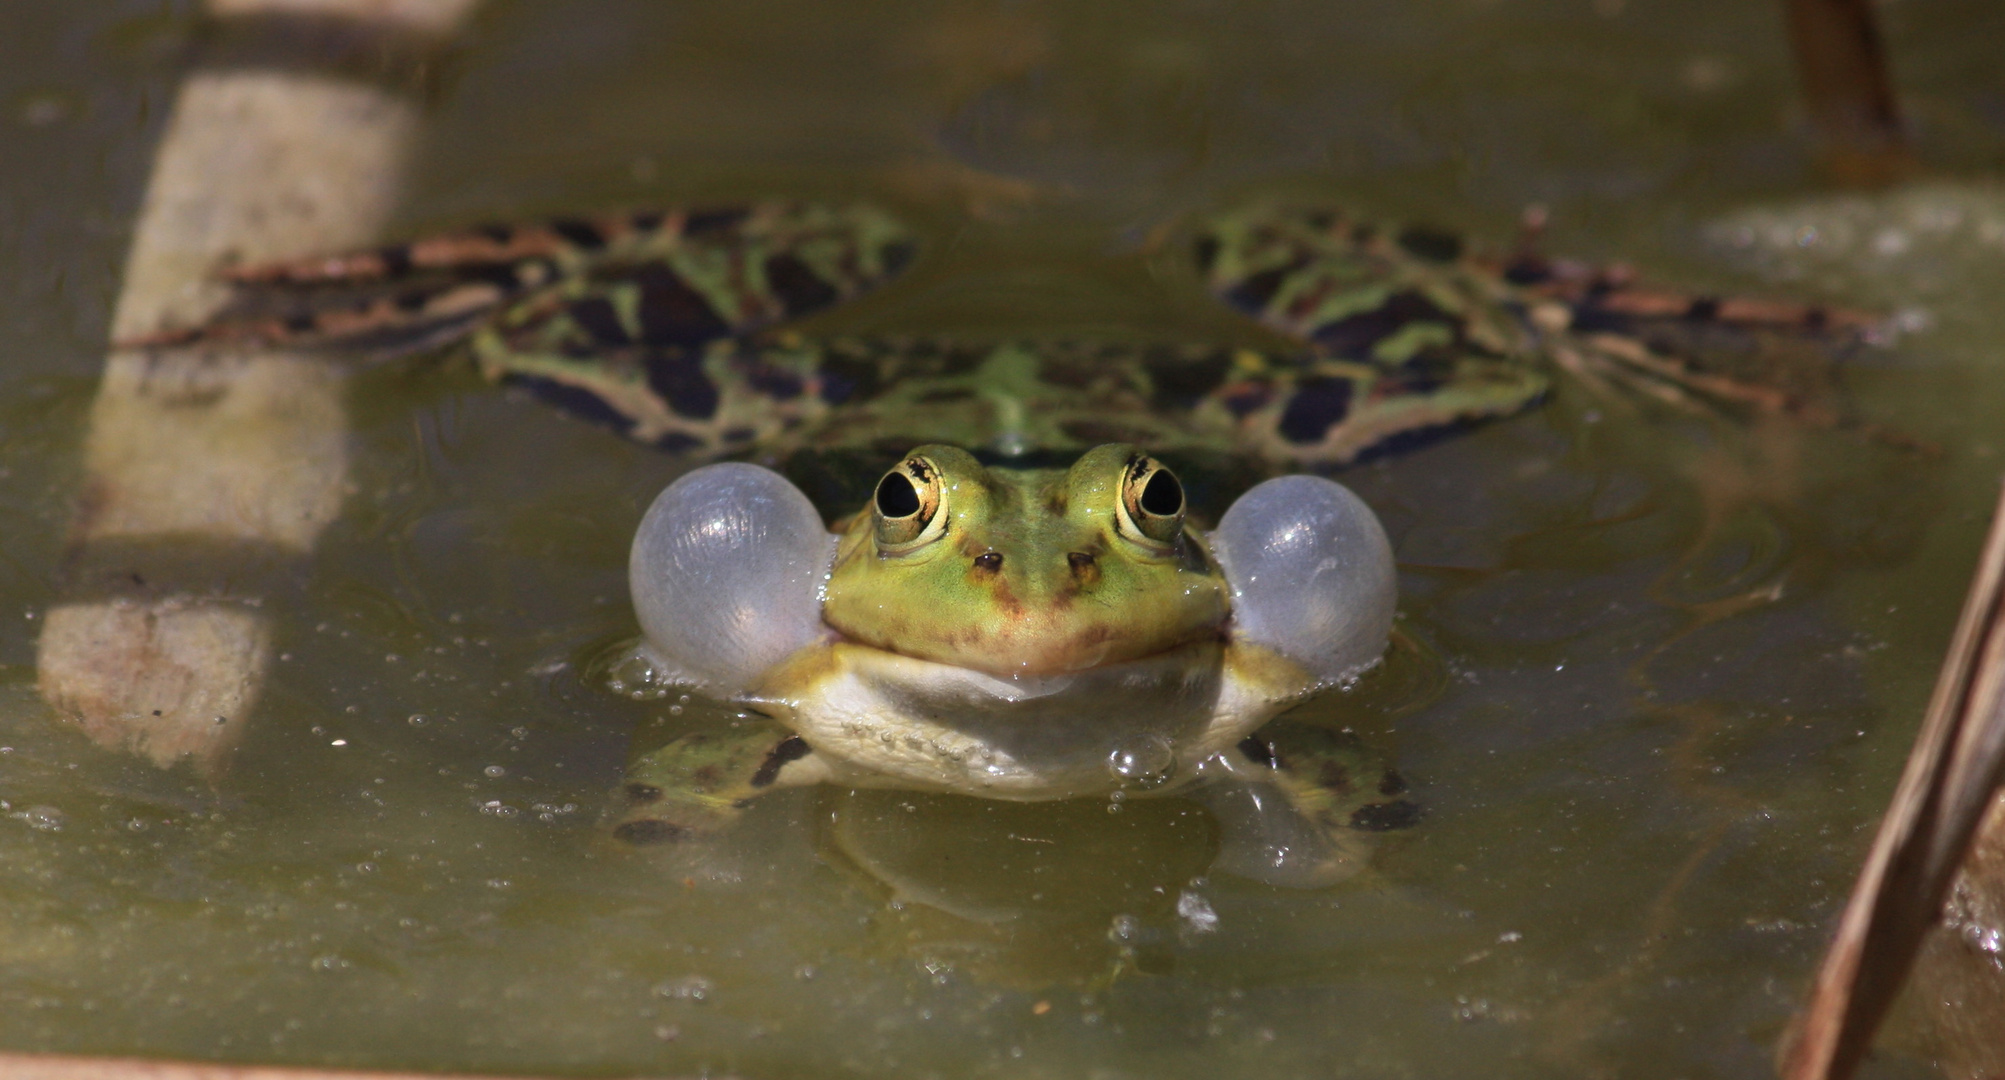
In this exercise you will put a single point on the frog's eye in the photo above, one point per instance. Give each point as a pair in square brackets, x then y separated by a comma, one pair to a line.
[907, 504]
[1152, 503]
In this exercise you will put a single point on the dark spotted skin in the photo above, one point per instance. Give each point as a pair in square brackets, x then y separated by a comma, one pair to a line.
[650, 323]
[658, 325]
[1427, 314]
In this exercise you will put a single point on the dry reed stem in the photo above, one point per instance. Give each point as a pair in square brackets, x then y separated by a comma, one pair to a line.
[1948, 783]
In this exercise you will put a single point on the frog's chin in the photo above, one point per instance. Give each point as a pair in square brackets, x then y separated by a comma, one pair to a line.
[731, 561]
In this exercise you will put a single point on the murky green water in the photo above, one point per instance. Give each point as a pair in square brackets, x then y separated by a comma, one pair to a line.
[1666, 674]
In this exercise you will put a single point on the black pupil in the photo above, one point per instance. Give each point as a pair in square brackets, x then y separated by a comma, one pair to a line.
[1163, 496]
[895, 496]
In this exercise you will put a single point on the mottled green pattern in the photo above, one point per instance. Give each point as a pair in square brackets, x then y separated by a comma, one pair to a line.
[652, 323]
[1458, 357]
[670, 327]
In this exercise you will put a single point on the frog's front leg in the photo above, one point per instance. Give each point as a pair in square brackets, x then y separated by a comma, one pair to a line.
[1297, 804]
[700, 783]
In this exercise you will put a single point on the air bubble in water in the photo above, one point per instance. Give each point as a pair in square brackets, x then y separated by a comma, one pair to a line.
[418, 720]
[688, 988]
[494, 772]
[638, 677]
[1143, 762]
[45, 818]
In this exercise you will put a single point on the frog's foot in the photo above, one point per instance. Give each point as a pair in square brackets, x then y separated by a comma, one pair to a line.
[1701, 353]
[1298, 804]
[699, 783]
[1333, 777]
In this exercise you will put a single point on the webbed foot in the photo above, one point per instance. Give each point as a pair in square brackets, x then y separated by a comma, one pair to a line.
[1297, 806]
[1333, 777]
[698, 784]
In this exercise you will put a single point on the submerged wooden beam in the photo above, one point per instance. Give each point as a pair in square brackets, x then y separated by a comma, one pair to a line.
[211, 473]
[1951, 776]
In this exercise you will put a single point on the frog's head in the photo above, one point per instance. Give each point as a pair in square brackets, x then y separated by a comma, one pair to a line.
[1025, 571]
[1008, 572]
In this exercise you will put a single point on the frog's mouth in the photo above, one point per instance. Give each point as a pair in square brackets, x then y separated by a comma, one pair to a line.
[1030, 648]
[730, 563]
[1193, 660]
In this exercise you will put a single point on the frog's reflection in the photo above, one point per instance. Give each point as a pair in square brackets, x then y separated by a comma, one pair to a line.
[1026, 894]
[1079, 891]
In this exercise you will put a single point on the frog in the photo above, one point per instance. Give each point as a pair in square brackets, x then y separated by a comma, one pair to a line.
[1025, 605]
[1025, 634]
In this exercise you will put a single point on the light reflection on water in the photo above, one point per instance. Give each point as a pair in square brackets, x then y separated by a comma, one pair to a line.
[1660, 676]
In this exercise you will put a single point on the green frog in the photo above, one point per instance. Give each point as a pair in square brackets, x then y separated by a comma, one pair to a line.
[1025, 606]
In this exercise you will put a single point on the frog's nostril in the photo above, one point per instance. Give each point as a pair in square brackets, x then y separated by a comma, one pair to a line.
[989, 560]
[1080, 561]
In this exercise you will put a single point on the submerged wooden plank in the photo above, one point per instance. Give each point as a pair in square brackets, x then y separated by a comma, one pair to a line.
[228, 452]
[64, 1067]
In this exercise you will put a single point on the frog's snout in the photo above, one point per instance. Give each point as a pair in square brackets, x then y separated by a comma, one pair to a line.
[1311, 573]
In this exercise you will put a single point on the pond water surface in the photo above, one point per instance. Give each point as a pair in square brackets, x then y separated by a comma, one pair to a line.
[1656, 676]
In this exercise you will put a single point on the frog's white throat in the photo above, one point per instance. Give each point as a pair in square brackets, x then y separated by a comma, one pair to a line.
[728, 570]
[882, 719]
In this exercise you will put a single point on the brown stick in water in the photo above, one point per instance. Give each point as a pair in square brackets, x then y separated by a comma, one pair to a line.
[1951, 775]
